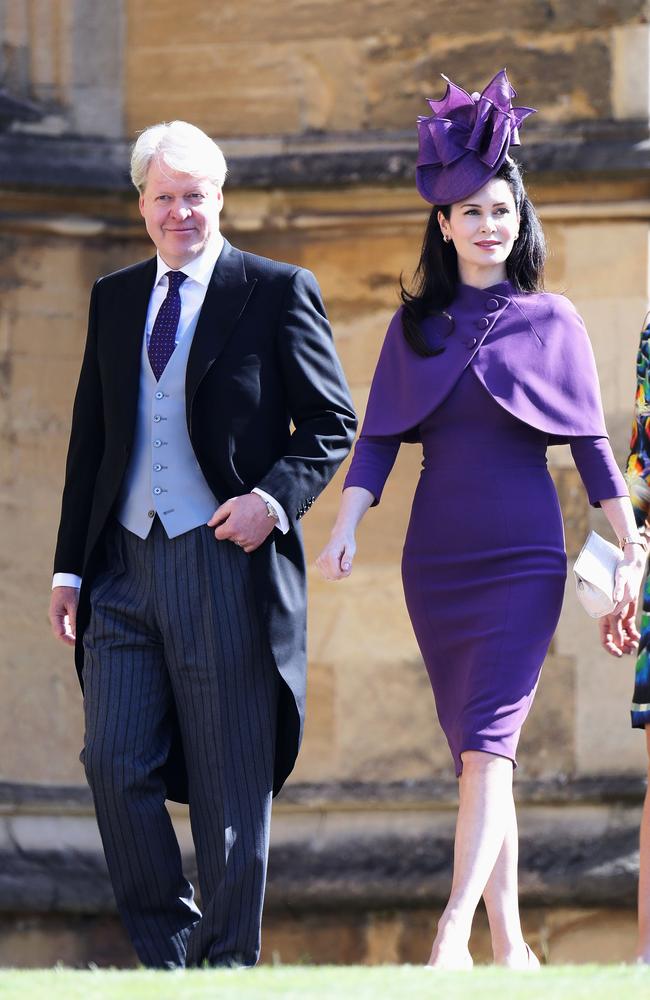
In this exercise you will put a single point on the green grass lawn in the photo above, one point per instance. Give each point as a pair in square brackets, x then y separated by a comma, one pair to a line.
[584, 982]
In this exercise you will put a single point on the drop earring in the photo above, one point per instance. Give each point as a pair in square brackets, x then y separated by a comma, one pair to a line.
[446, 238]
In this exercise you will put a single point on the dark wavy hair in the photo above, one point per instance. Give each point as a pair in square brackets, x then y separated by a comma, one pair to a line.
[436, 278]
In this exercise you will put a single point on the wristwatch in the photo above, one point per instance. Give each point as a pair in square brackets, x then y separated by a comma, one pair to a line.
[270, 509]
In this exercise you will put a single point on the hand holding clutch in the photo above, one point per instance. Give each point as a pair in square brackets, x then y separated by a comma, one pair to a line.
[595, 575]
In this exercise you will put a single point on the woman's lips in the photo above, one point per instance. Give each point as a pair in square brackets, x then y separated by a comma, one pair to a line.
[488, 244]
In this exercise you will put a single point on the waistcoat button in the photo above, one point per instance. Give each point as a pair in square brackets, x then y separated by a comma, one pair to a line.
[472, 342]
[483, 323]
[156, 418]
[150, 513]
[492, 304]
[157, 443]
[157, 490]
[159, 394]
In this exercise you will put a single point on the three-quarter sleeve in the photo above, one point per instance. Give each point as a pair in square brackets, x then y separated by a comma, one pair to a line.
[598, 470]
[637, 470]
[374, 457]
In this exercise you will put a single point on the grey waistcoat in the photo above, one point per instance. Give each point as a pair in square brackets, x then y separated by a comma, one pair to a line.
[163, 476]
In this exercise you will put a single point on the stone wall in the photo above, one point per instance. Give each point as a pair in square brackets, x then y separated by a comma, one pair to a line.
[333, 66]
[316, 108]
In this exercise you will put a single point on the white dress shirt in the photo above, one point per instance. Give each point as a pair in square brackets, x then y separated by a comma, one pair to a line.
[192, 292]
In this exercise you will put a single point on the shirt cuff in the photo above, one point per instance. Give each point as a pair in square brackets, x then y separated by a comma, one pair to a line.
[283, 520]
[66, 580]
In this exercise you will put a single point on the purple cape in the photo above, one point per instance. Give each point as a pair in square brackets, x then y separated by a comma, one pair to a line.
[530, 351]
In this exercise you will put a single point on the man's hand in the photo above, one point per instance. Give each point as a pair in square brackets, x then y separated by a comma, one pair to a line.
[244, 521]
[63, 613]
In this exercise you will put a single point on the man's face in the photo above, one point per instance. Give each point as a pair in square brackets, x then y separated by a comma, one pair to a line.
[181, 213]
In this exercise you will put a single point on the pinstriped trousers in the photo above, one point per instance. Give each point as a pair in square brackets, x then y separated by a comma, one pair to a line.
[174, 624]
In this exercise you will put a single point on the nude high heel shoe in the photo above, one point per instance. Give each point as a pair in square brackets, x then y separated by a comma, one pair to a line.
[532, 964]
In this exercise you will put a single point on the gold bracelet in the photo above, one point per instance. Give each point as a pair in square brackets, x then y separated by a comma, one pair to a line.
[631, 540]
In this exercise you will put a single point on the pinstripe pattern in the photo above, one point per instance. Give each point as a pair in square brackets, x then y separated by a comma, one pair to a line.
[173, 623]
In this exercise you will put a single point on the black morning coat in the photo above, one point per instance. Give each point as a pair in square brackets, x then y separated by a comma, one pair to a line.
[261, 360]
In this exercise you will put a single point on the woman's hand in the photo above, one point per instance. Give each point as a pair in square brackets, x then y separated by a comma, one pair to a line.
[618, 633]
[629, 577]
[335, 561]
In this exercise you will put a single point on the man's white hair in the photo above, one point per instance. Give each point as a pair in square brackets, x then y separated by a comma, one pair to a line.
[181, 147]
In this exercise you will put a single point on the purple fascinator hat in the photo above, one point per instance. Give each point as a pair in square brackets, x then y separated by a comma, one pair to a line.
[466, 140]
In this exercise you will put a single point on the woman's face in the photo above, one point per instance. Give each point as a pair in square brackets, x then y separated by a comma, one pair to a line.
[483, 229]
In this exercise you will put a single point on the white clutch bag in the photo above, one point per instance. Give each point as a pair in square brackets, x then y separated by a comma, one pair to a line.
[595, 572]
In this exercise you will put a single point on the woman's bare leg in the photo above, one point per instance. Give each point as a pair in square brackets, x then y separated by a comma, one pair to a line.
[502, 903]
[483, 816]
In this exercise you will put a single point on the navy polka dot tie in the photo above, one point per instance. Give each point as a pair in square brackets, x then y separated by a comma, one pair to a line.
[163, 336]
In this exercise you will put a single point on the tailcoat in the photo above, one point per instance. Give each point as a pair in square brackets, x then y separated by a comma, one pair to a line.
[267, 406]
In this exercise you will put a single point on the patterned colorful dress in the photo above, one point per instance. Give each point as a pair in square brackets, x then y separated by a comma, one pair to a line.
[638, 480]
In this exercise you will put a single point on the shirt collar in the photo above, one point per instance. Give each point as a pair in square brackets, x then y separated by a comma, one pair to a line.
[200, 269]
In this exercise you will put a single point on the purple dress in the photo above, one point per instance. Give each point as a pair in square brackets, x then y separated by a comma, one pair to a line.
[484, 564]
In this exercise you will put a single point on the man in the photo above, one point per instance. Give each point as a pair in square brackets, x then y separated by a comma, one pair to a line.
[184, 486]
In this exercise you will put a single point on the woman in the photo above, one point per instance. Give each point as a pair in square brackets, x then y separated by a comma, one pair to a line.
[485, 371]
[619, 634]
